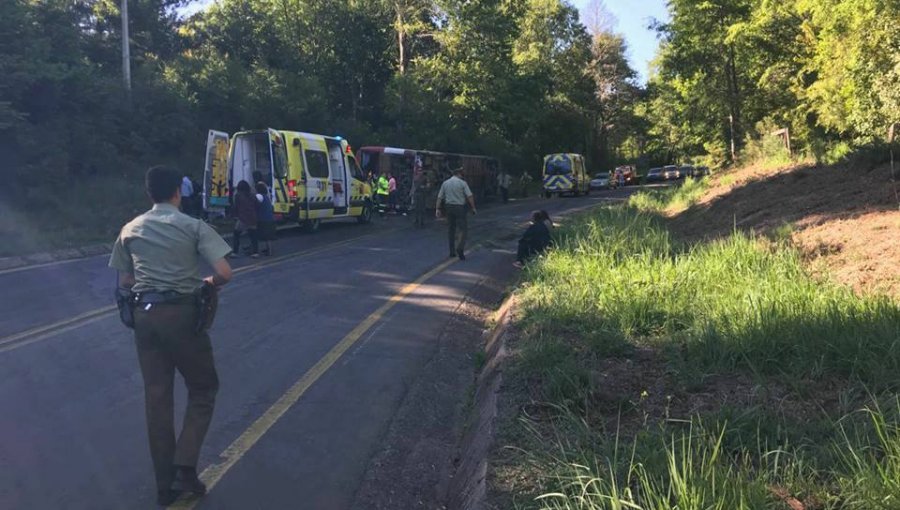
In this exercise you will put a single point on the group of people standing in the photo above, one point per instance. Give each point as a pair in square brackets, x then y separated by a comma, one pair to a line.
[254, 219]
[385, 193]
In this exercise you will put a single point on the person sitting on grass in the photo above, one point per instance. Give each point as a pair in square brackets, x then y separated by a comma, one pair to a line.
[535, 240]
[545, 219]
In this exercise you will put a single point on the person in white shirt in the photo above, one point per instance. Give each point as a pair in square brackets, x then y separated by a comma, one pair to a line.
[187, 196]
[504, 181]
[455, 195]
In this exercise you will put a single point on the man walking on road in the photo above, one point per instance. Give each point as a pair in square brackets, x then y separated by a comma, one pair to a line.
[504, 181]
[157, 256]
[455, 194]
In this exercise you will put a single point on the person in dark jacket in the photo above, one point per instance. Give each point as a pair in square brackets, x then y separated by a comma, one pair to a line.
[535, 240]
[246, 220]
[265, 213]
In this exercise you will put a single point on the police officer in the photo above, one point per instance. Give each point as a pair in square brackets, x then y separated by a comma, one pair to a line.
[455, 195]
[157, 255]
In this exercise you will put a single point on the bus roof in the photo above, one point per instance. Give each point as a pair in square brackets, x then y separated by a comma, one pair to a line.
[410, 152]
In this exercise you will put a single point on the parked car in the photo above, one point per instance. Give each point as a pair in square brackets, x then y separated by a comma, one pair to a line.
[654, 175]
[670, 172]
[701, 171]
[685, 171]
[601, 181]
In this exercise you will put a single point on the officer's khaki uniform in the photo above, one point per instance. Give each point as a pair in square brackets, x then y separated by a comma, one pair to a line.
[162, 248]
[455, 193]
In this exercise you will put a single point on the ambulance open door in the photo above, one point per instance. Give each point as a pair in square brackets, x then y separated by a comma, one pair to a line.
[281, 201]
[215, 173]
[338, 175]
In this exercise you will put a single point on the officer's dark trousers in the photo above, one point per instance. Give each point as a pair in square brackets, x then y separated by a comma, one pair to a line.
[504, 192]
[166, 341]
[419, 208]
[458, 228]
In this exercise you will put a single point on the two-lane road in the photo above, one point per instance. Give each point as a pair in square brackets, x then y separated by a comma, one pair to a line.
[315, 349]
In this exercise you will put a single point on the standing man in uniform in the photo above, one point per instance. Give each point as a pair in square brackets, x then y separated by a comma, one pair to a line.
[157, 256]
[381, 193]
[504, 181]
[455, 194]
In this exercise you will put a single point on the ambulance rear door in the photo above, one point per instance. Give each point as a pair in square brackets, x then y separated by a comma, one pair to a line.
[319, 193]
[215, 172]
[340, 182]
[278, 193]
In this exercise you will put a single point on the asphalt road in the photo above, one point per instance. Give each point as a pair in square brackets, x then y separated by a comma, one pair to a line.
[315, 348]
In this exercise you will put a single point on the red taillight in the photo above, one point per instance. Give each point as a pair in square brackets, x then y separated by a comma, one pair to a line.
[292, 192]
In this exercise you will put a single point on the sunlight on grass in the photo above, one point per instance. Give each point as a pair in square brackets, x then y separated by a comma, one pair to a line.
[673, 199]
[725, 305]
[617, 282]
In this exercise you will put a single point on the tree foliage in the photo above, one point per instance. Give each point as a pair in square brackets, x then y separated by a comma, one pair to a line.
[512, 78]
[826, 69]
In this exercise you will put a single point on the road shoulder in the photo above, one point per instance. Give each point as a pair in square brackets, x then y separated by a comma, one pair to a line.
[418, 455]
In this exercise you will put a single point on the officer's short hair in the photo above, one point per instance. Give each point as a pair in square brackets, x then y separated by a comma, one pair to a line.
[162, 183]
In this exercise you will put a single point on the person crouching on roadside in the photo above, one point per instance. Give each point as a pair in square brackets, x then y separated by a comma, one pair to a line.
[246, 220]
[545, 218]
[265, 214]
[535, 240]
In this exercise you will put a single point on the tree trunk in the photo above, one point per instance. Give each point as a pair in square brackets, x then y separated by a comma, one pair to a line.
[734, 102]
[401, 36]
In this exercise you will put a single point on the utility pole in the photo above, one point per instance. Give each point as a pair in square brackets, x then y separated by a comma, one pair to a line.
[126, 53]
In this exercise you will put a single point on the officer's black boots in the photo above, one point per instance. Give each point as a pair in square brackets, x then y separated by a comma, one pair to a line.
[186, 480]
[166, 497]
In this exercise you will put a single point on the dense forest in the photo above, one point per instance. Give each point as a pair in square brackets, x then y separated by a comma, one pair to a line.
[510, 78]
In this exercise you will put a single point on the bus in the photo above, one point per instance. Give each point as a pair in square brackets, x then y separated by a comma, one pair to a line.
[480, 172]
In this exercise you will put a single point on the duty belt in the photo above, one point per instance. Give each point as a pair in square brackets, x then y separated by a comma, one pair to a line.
[168, 296]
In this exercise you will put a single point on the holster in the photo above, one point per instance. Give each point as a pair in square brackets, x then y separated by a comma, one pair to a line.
[125, 302]
[207, 302]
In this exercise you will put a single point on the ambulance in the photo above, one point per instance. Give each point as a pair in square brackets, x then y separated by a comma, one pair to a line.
[311, 177]
[565, 173]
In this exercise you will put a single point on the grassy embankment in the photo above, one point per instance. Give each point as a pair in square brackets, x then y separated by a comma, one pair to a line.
[651, 374]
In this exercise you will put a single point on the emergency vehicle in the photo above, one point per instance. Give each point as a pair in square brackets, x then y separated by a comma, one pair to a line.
[310, 177]
[565, 173]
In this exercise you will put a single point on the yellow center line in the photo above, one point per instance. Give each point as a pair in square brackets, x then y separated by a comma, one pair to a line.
[236, 450]
[39, 333]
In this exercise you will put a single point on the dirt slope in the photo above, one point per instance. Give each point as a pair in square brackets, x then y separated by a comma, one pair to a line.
[844, 218]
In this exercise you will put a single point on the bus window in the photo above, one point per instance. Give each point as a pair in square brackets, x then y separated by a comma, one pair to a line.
[354, 169]
[369, 161]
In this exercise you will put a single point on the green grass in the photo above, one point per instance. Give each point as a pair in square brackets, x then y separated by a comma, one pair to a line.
[676, 197]
[731, 304]
[617, 282]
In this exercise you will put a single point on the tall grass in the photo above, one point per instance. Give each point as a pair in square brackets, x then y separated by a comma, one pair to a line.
[689, 469]
[674, 198]
[617, 280]
[617, 275]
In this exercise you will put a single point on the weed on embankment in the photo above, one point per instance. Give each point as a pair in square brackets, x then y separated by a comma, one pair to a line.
[652, 374]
